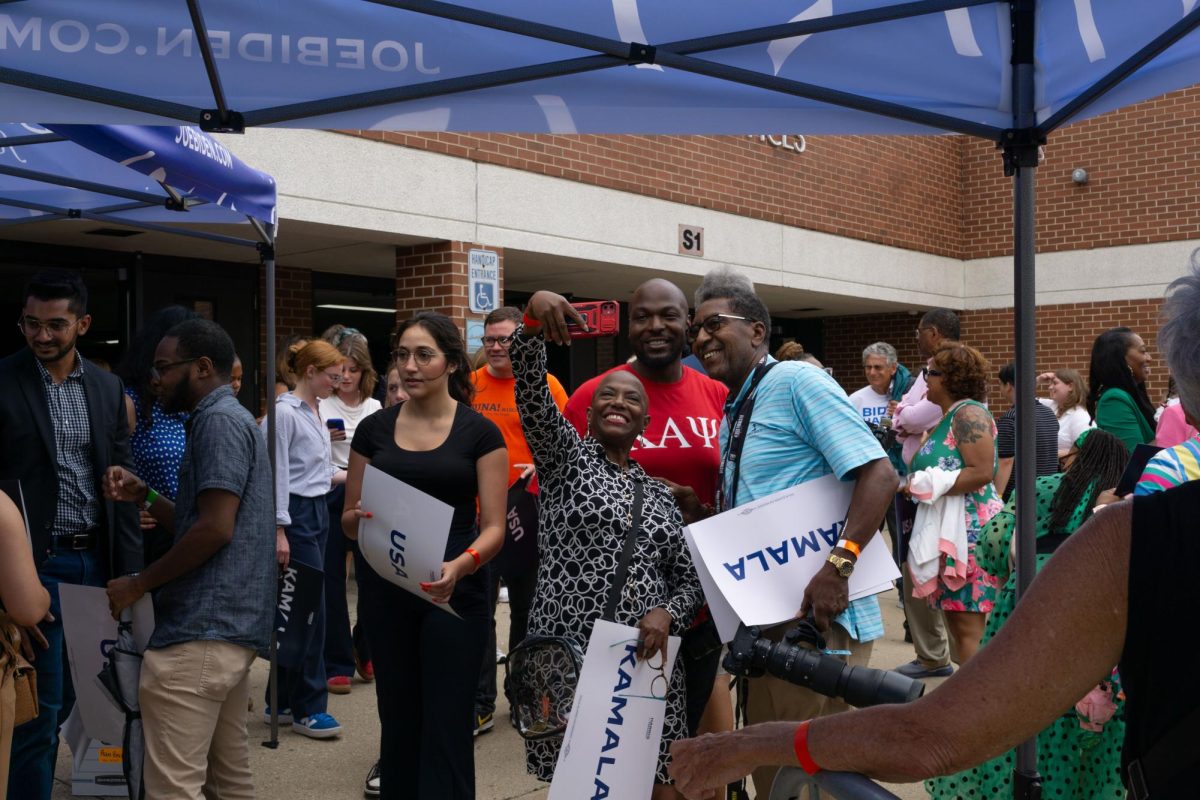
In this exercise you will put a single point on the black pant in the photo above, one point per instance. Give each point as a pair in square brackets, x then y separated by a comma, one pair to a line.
[700, 655]
[339, 650]
[520, 598]
[426, 668]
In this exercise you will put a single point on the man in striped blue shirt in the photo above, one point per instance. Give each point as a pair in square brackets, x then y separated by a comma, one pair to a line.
[799, 426]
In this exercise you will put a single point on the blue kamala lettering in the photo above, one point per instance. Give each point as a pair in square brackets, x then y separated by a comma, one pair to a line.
[396, 553]
[612, 738]
[800, 545]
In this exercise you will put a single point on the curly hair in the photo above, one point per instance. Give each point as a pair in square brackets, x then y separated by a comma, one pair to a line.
[964, 371]
[451, 343]
[790, 351]
[726, 283]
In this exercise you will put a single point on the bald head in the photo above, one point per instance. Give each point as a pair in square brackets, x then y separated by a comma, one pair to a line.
[618, 412]
[661, 291]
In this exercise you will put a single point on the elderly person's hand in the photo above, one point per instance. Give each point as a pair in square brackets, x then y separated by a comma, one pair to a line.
[653, 630]
[704, 766]
[826, 596]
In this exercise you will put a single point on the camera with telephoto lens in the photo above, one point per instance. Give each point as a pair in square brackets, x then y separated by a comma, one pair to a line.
[751, 655]
[884, 433]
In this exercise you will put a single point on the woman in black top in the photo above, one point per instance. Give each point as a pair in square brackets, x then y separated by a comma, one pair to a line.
[427, 661]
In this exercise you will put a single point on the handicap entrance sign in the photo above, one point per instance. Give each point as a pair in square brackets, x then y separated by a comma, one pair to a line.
[483, 280]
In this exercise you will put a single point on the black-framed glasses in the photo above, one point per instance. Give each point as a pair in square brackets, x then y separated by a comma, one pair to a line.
[712, 324]
[32, 326]
[930, 372]
[503, 341]
[422, 355]
[156, 371]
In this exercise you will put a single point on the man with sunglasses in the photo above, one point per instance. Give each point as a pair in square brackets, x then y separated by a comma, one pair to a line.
[788, 423]
[496, 399]
[61, 424]
[679, 446]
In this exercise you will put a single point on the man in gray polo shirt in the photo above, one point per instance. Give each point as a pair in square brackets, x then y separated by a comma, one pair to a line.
[215, 597]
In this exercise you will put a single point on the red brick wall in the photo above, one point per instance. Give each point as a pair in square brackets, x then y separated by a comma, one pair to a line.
[433, 277]
[945, 195]
[1064, 339]
[293, 313]
[1143, 187]
[901, 191]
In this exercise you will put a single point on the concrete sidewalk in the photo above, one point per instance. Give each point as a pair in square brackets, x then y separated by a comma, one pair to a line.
[306, 768]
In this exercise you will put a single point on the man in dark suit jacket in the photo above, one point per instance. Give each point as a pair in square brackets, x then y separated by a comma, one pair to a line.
[62, 423]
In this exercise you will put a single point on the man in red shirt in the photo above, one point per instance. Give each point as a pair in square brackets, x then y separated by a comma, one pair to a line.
[681, 446]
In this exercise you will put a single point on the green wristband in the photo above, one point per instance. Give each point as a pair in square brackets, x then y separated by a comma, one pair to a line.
[151, 496]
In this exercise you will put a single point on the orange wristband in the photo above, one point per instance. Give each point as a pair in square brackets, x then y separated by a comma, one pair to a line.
[801, 744]
[846, 544]
[473, 553]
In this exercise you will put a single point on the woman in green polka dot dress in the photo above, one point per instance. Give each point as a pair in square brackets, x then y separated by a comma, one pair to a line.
[1074, 763]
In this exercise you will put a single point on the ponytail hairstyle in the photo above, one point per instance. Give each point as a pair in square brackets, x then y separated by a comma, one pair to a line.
[1109, 369]
[317, 353]
[354, 347]
[450, 341]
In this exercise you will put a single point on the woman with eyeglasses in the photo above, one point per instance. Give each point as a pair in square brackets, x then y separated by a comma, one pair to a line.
[586, 491]
[426, 660]
[962, 446]
[303, 477]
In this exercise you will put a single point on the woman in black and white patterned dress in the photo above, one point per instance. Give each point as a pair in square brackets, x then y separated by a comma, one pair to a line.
[586, 499]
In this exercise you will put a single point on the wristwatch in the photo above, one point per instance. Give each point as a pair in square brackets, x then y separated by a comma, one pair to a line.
[844, 566]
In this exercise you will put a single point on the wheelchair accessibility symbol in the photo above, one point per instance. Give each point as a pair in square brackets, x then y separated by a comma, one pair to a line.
[483, 280]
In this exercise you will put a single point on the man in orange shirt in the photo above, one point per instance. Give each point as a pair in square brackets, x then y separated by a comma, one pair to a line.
[495, 398]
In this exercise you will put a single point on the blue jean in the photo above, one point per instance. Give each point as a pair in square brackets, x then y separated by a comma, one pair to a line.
[35, 744]
[339, 647]
[303, 691]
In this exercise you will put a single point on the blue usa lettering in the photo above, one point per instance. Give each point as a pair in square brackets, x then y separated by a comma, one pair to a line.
[779, 556]
[396, 553]
[612, 738]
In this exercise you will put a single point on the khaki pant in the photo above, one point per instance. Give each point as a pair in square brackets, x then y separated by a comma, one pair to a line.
[194, 698]
[769, 699]
[8, 714]
[927, 627]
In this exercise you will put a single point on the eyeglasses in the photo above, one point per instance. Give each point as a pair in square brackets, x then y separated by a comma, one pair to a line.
[503, 341]
[422, 355]
[156, 371]
[930, 372]
[334, 377]
[713, 324]
[658, 684]
[32, 326]
[926, 328]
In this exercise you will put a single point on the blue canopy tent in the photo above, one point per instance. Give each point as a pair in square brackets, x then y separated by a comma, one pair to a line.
[1009, 72]
[165, 179]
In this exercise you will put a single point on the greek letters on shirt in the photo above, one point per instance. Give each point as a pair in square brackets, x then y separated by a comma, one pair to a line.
[704, 434]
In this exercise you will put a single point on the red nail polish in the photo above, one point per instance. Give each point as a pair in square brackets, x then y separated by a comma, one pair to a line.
[369, 515]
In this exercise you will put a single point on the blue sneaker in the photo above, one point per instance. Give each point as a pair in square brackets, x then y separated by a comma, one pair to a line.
[285, 716]
[317, 726]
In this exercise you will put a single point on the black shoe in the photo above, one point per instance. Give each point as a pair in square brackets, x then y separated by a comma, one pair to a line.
[916, 670]
[484, 721]
[371, 787]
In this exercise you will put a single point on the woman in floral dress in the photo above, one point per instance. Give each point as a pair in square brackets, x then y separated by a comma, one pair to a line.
[964, 440]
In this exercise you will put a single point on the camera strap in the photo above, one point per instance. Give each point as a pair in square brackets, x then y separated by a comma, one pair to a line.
[739, 422]
[622, 573]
